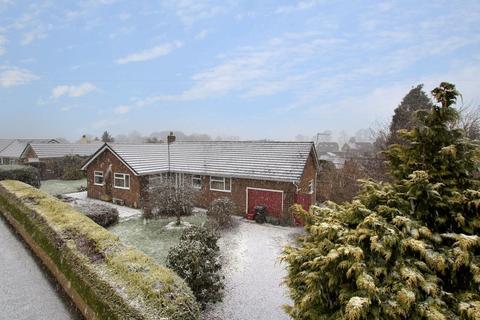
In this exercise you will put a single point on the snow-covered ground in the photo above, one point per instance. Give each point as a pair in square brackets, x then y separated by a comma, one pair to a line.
[123, 211]
[253, 273]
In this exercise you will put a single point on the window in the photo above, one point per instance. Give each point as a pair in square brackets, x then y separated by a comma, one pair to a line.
[179, 180]
[220, 184]
[122, 181]
[197, 182]
[98, 178]
[311, 186]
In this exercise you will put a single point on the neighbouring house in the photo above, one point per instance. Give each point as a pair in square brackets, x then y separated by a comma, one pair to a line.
[330, 151]
[11, 149]
[358, 149]
[327, 147]
[337, 158]
[48, 157]
[275, 174]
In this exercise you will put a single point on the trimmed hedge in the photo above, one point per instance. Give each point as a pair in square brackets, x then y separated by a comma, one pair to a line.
[116, 281]
[27, 174]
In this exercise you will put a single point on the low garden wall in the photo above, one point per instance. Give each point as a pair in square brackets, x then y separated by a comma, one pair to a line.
[105, 278]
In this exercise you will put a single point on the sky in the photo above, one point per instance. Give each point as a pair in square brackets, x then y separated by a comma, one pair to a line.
[252, 69]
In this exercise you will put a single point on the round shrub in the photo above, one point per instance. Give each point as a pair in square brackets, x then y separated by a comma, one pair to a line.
[196, 260]
[27, 174]
[102, 214]
[220, 212]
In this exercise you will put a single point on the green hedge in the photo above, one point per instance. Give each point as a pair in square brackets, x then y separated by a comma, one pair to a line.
[115, 280]
[27, 174]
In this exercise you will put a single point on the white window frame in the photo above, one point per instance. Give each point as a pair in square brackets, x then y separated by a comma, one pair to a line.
[179, 179]
[311, 185]
[197, 178]
[222, 180]
[98, 174]
[123, 176]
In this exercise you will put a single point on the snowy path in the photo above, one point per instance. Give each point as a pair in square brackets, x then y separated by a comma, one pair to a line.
[123, 211]
[253, 273]
[26, 291]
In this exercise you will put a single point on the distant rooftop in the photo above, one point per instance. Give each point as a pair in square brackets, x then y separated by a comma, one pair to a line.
[59, 150]
[13, 148]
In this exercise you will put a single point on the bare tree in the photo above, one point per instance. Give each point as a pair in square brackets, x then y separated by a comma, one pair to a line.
[170, 198]
[469, 121]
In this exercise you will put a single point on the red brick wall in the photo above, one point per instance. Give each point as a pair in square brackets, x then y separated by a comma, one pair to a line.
[309, 174]
[131, 197]
[238, 193]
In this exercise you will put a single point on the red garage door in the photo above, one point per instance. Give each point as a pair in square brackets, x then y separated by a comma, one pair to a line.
[273, 199]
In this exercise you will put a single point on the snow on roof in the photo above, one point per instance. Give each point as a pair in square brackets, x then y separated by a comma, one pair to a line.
[5, 143]
[13, 148]
[59, 150]
[278, 161]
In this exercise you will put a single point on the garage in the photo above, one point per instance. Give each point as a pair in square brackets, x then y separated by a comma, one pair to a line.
[273, 199]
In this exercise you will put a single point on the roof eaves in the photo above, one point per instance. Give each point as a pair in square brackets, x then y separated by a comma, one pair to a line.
[100, 151]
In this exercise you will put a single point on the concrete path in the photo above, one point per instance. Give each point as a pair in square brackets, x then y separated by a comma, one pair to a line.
[26, 290]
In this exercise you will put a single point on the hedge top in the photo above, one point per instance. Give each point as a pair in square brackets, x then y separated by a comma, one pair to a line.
[156, 291]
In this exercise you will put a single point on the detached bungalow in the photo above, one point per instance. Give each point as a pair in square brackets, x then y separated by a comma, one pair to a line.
[11, 149]
[275, 174]
[47, 157]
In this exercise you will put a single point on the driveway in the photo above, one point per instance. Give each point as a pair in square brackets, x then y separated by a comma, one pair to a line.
[253, 273]
[26, 291]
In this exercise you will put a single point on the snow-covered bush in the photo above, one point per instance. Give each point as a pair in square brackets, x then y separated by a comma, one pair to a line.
[100, 213]
[27, 174]
[220, 212]
[165, 198]
[405, 250]
[196, 260]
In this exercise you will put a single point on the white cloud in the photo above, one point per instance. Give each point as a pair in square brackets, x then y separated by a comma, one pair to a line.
[72, 90]
[299, 6]
[254, 71]
[12, 76]
[122, 109]
[32, 35]
[149, 54]
[191, 11]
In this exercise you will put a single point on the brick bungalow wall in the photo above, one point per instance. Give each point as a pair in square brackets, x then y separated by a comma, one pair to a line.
[131, 197]
[139, 184]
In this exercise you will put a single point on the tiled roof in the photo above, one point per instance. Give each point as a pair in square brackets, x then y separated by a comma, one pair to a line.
[13, 148]
[5, 143]
[279, 161]
[59, 150]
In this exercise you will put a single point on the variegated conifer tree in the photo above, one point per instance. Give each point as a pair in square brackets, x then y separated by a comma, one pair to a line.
[409, 249]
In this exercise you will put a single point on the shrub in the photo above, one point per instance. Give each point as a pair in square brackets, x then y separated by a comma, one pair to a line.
[102, 214]
[164, 198]
[220, 212]
[409, 249]
[196, 260]
[70, 168]
[27, 174]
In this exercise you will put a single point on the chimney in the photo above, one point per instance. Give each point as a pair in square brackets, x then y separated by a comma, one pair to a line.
[170, 138]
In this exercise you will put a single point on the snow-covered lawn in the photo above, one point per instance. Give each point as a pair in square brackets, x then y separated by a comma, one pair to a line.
[250, 252]
[253, 272]
[56, 187]
[123, 212]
